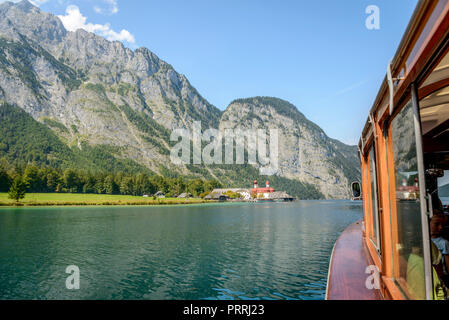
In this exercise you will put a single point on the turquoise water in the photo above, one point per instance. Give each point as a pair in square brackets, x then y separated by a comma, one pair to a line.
[220, 251]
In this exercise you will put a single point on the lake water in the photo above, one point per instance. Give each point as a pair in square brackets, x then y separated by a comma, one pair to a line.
[216, 251]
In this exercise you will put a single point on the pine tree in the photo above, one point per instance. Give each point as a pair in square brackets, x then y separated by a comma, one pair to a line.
[17, 190]
[4, 181]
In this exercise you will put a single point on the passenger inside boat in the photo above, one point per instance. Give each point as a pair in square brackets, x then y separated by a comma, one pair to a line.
[436, 227]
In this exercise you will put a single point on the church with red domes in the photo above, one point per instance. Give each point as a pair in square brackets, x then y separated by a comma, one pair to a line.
[265, 191]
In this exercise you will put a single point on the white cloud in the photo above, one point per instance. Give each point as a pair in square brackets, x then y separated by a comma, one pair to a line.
[74, 20]
[112, 7]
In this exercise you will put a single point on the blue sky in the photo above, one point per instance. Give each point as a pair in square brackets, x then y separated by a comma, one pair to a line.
[316, 54]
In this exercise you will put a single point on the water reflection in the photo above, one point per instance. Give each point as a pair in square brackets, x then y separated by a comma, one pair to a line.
[226, 251]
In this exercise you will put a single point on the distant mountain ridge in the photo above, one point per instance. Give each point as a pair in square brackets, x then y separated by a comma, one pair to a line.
[94, 94]
[305, 153]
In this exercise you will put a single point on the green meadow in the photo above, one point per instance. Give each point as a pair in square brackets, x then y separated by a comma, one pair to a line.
[76, 199]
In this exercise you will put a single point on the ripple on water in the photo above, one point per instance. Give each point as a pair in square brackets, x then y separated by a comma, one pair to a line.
[272, 252]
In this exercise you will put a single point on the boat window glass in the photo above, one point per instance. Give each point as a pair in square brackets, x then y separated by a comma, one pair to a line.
[439, 73]
[434, 112]
[374, 202]
[443, 191]
[407, 241]
[443, 184]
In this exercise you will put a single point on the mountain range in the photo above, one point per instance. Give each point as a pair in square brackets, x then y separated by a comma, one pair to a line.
[76, 99]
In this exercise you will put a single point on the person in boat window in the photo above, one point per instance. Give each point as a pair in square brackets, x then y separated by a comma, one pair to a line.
[440, 291]
[438, 210]
[436, 227]
[415, 275]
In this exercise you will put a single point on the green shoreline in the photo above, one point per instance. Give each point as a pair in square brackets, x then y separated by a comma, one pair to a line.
[37, 205]
[91, 200]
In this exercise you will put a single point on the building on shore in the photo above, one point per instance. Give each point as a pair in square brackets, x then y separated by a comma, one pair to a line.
[268, 194]
[159, 194]
[280, 196]
[185, 195]
[261, 193]
[243, 194]
[255, 194]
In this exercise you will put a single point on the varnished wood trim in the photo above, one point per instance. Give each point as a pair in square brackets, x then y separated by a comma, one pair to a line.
[347, 277]
[431, 88]
[329, 272]
[392, 289]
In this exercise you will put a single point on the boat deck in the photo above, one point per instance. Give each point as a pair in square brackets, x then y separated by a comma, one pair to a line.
[349, 261]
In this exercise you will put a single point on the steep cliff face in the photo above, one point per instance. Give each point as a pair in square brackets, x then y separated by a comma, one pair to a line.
[306, 153]
[95, 93]
[102, 92]
[146, 81]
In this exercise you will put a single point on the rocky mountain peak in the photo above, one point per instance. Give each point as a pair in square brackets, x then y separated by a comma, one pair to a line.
[94, 93]
[27, 6]
[23, 18]
[305, 151]
[23, 5]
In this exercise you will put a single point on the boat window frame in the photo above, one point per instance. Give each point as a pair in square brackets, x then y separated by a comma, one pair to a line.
[410, 67]
[426, 90]
[411, 96]
[374, 199]
[366, 194]
[430, 90]
[418, 91]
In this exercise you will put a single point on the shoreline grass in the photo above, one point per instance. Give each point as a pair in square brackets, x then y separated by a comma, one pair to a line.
[77, 199]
